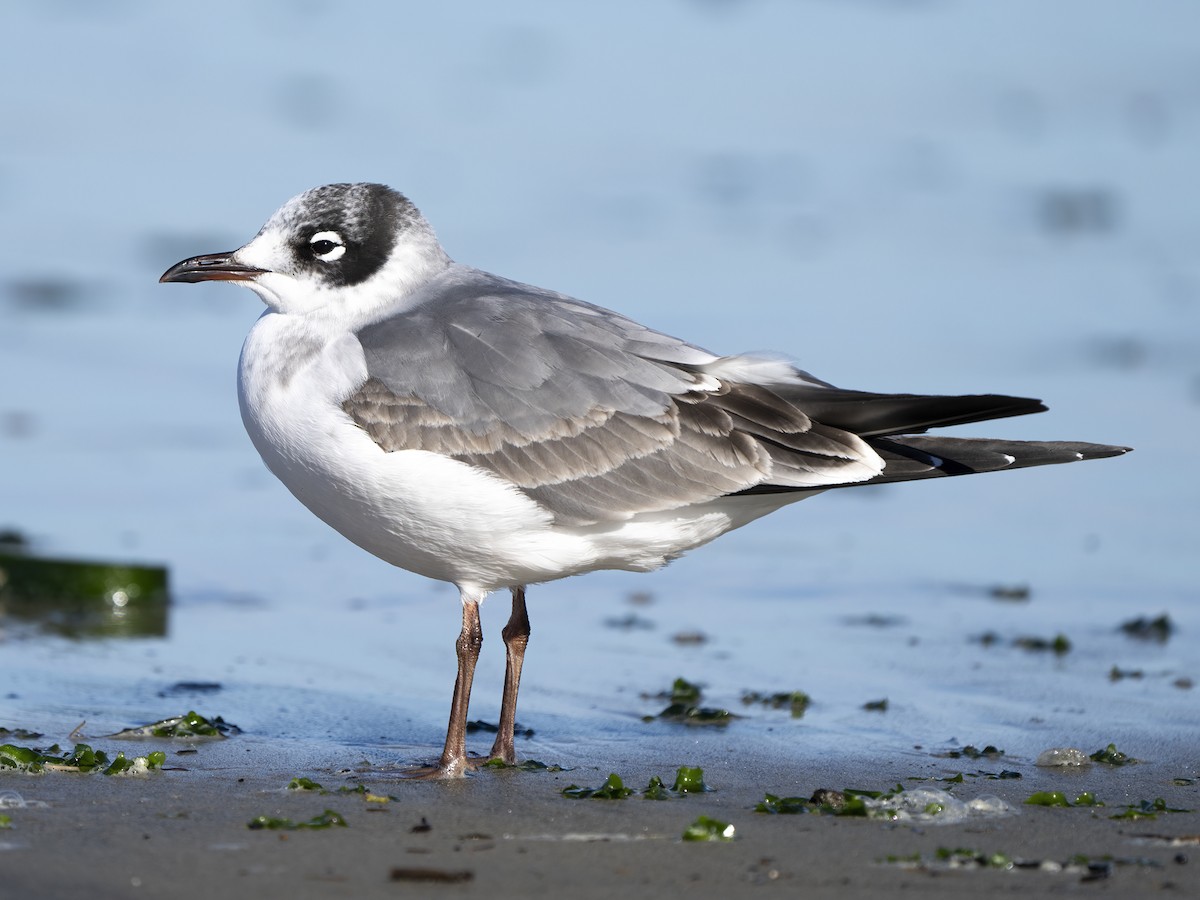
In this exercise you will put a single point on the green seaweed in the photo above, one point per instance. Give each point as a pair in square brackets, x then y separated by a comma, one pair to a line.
[784, 806]
[656, 790]
[32, 578]
[854, 807]
[694, 715]
[852, 802]
[24, 758]
[19, 734]
[1058, 798]
[120, 765]
[972, 752]
[1112, 756]
[1160, 628]
[795, 701]
[684, 697]
[960, 777]
[1148, 809]
[1059, 644]
[960, 856]
[706, 828]
[189, 725]
[612, 789]
[327, 819]
[1047, 798]
[684, 691]
[1133, 812]
[77, 598]
[82, 759]
[1118, 674]
[874, 795]
[300, 783]
[690, 780]
[528, 765]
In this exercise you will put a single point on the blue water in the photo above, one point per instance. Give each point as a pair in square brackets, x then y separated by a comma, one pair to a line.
[910, 196]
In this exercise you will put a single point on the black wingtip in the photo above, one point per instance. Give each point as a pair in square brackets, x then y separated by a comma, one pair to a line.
[1102, 451]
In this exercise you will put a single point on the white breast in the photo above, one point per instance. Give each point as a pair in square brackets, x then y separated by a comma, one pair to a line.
[417, 510]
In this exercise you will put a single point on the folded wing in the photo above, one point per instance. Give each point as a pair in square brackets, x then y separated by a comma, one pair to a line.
[599, 419]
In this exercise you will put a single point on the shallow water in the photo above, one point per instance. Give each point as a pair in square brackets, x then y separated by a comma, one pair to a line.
[883, 190]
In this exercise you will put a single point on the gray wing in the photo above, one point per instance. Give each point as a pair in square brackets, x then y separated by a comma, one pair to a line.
[592, 415]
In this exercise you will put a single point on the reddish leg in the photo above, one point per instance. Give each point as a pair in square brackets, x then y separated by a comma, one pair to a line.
[453, 763]
[516, 638]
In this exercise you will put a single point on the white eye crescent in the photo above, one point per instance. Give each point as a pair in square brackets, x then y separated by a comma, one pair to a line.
[327, 246]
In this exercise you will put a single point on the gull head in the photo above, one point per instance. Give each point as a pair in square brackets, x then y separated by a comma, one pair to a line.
[354, 247]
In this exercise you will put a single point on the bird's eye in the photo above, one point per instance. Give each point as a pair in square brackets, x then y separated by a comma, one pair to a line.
[327, 246]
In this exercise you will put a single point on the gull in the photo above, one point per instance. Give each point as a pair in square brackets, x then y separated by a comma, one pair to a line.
[494, 435]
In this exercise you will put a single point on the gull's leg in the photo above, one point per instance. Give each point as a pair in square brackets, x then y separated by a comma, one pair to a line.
[516, 638]
[454, 757]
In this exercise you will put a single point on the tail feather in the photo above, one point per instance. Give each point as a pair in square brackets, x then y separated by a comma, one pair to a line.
[892, 424]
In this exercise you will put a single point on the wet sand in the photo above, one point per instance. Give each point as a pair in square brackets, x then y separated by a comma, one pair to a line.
[512, 833]
[329, 702]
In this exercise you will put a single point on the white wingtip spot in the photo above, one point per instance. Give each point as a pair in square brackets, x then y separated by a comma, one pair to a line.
[1010, 459]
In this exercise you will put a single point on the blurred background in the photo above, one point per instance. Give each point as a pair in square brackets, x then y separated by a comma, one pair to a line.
[902, 195]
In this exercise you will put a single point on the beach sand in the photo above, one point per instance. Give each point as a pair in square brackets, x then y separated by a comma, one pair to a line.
[183, 833]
